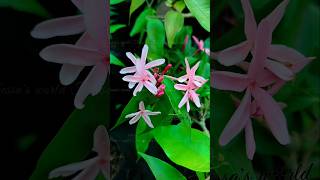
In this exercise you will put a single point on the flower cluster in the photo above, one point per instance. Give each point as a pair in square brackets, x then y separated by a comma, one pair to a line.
[92, 49]
[271, 66]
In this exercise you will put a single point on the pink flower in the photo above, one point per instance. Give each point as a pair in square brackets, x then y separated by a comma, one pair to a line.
[200, 45]
[92, 49]
[141, 75]
[142, 113]
[235, 54]
[191, 75]
[254, 83]
[90, 168]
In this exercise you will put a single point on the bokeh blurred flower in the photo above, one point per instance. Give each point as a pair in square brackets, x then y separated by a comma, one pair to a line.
[90, 168]
[142, 113]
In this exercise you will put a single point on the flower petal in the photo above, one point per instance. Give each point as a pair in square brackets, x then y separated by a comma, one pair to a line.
[131, 78]
[181, 87]
[195, 98]
[148, 113]
[70, 169]
[151, 87]
[250, 142]
[250, 26]
[183, 100]
[144, 54]
[195, 67]
[78, 3]
[63, 26]
[71, 54]
[238, 120]
[101, 143]
[234, 54]
[141, 106]
[279, 70]
[69, 73]
[276, 15]
[225, 80]
[89, 173]
[273, 115]
[155, 63]
[131, 85]
[135, 119]
[131, 57]
[188, 105]
[183, 78]
[131, 115]
[138, 88]
[147, 120]
[126, 70]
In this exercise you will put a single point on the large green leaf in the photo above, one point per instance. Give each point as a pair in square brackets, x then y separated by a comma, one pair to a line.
[173, 22]
[141, 22]
[29, 6]
[201, 10]
[155, 38]
[162, 170]
[185, 146]
[135, 4]
[74, 140]
[115, 61]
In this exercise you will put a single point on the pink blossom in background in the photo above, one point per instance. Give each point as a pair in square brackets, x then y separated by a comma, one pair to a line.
[142, 113]
[92, 49]
[90, 168]
[200, 45]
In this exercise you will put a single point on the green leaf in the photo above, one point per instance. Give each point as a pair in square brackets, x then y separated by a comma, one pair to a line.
[179, 5]
[116, 27]
[184, 146]
[28, 6]
[162, 170]
[173, 22]
[141, 22]
[155, 38]
[142, 138]
[113, 2]
[74, 140]
[135, 4]
[201, 10]
[175, 97]
[115, 61]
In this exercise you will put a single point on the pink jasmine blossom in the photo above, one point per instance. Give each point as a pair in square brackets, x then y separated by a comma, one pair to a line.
[191, 75]
[141, 75]
[142, 113]
[92, 49]
[90, 168]
[253, 83]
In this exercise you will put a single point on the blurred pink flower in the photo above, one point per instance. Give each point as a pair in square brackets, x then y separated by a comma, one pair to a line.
[92, 49]
[90, 168]
[254, 82]
[141, 75]
[200, 45]
[142, 113]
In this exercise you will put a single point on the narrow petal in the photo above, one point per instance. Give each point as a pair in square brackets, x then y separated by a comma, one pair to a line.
[250, 26]
[101, 143]
[279, 70]
[131, 115]
[155, 63]
[200, 79]
[69, 73]
[131, 85]
[135, 119]
[187, 65]
[183, 78]
[195, 67]
[181, 87]
[126, 70]
[141, 106]
[151, 87]
[63, 26]
[273, 115]
[188, 105]
[89, 173]
[195, 98]
[147, 120]
[131, 57]
[71, 54]
[87, 41]
[144, 55]
[131, 78]
[250, 142]
[70, 169]
[238, 120]
[225, 80]
[151, 77]
[276, 15]
[183, 100]
[276, 86]
[138, 88]
[234, 54]
[147, 112]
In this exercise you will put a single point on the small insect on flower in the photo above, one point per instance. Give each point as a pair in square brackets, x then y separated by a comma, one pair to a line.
[142, 113]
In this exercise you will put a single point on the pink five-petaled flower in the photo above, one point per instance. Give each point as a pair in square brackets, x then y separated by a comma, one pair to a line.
[141, 75]
[254, 82]
[92, 49]
[235, 54]
[90, 168]
[142, 113]
[191, 75]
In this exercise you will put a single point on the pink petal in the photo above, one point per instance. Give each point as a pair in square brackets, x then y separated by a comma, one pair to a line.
[131, 57]
[102, 143]
[273, 115]
[147, 120]
[151, 87]
[183, 78]
[234, 54]
[187, 65]
[144, 54]
[131, 78]
[59, 27]
[131, 85]
[96, 17]
[127, 70]
[69, 73]
[195, 67]
[181, 87]
[279, 70]
[134, 119]
[151, 77]
[276, 15]
[70, 169]
[188, 105]
[183, 100]
[92, 85]
[195, 98]
[138, 88]
[238, 120]
[71, 54]
[225, 80]
[86, 41]
[265, 78]
[141, 106]
[250, 142]
[155, 63]
[250, 26]
[89, 173]
[276, 86]
[262, 44]
[132, 115]
[148, 113]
